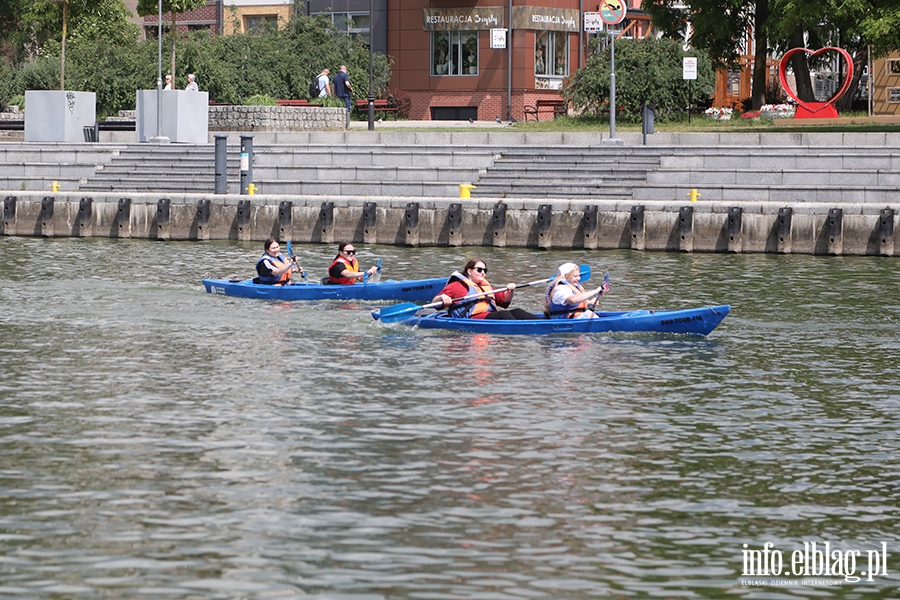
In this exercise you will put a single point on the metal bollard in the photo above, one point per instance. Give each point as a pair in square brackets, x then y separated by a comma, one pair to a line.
[648, 115]
[221, 163]
[246, 162]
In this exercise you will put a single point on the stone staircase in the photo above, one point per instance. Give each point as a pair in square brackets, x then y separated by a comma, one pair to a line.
[514, 167]
[568, 172]
[300, 170]
[165, 168]
[35, 167]
[776, 174]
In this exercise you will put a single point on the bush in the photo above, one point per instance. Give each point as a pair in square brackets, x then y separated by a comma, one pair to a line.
[648, 71]
[277, 64]
[260, 100]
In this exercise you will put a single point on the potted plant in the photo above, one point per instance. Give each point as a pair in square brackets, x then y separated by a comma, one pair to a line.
[719, 114]
[777, 111]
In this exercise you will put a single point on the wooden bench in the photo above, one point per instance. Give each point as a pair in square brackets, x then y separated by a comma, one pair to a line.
[297, 103]
[556, 106]
[379, 105]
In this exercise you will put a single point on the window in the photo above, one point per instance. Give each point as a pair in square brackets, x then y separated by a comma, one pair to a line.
[454, 53]
[260, 23]
[892, 65]
[356, 24]
[551, 53]
[893, 95]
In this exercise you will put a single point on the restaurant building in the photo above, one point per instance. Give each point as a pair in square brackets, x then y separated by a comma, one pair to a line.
[454, 59]
[450, 59]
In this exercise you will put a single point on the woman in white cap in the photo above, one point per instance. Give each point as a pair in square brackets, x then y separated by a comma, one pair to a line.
[566, 298]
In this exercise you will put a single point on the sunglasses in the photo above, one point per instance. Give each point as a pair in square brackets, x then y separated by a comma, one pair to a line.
[350, 251]
[481, 269]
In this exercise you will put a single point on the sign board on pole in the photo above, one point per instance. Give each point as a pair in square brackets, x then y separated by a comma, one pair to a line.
[592, 22]
[498, 38]
[612, 12]
[689, 67]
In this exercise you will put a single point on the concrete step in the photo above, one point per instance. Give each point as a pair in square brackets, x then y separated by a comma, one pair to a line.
[790, 194]
[550, 190]
[366, 174]
[773, 177]
[354, 188]
[507, 172]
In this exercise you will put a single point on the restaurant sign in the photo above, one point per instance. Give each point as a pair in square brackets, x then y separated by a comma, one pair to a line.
[463, 18]
[546, 19]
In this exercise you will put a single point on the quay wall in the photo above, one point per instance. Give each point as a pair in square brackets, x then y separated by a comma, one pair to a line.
[702, 226]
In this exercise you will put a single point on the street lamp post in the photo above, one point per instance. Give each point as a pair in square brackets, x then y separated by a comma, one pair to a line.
[371, 70]
[159, 138]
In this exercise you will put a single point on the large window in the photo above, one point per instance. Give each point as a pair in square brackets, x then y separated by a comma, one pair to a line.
[356, 24]
[256, 24]
[454, 53]
[551, 53]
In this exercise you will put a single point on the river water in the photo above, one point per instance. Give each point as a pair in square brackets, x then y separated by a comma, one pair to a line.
[157, 441]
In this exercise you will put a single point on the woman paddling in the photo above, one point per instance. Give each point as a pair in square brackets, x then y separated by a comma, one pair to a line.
[273, 267]
[344, 268]
[471, 280]
[566, 298]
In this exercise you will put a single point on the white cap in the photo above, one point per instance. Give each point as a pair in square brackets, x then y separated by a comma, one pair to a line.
[566, 268]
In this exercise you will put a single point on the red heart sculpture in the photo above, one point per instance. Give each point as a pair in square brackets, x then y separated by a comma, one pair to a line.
[808, 110]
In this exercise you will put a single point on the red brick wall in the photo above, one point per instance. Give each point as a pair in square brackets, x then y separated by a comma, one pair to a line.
[205, 15]
[410, 46]
[491, 104]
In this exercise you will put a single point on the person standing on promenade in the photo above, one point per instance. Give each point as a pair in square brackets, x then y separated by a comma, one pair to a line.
[192, 85]
[324, 85]
[342, 87]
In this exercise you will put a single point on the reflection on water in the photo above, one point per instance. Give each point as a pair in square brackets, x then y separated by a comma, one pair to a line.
[158, 441]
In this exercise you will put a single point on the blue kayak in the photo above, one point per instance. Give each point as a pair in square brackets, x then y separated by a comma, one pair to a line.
[691, 321]
[413, 290]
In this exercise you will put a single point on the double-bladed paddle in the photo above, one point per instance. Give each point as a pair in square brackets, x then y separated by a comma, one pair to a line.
[291, 254]
[401, 312]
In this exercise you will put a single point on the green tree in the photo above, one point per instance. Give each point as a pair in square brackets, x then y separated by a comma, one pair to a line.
[46, 25]
[173, 8]
[719, 27]
[648, 71]
[854, 25]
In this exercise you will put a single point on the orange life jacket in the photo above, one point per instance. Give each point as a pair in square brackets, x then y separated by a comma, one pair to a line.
[351, 265]
[475, 306]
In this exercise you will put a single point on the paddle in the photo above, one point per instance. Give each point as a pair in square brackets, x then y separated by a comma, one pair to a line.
[291, 254]
[376, 277]
[400, 312]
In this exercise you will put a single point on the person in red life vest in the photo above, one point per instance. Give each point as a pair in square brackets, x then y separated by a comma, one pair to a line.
[566, 298]
[345, 268]
[273, 267]
[472, 280]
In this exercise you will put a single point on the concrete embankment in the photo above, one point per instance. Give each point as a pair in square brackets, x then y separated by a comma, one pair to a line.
[702, 226]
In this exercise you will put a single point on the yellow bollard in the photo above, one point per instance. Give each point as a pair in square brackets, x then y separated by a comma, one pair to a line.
[694, 194]
[251, 189]
[54, 186]
[465, 190]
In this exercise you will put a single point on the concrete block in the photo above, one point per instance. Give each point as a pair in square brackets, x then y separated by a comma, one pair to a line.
[58, 116]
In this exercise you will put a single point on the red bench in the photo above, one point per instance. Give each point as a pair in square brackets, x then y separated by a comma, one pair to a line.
[379, 105]
[297, 103]
[557, 106]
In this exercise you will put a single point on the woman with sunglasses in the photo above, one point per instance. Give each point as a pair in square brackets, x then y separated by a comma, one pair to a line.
[344, 268]
[472, 280]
